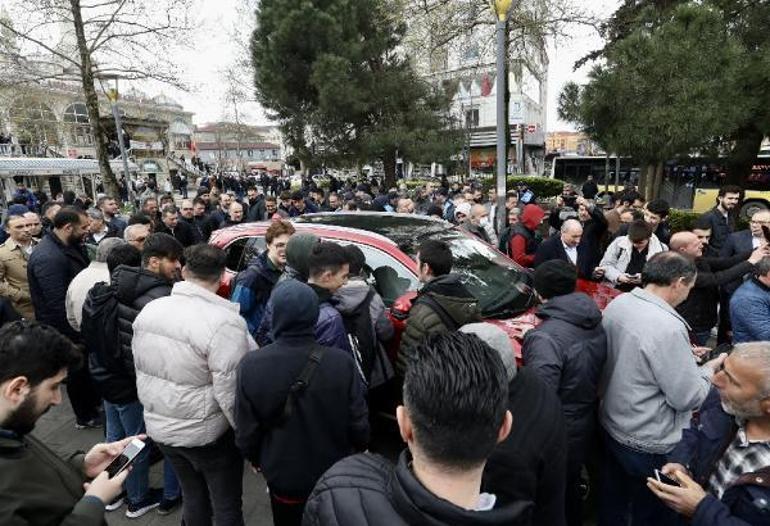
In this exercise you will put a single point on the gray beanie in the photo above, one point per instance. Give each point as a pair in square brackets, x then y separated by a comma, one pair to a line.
[496, 338]
[298, 250]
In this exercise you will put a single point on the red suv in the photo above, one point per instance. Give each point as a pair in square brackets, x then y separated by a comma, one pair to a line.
[389, 242]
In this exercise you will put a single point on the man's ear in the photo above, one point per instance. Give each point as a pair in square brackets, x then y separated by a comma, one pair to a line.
[764, 405]
[15, 390]
[404, 424]
[505, 427]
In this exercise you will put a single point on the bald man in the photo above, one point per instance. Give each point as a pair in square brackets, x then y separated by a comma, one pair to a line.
[700, 308]
[476, 221]
[563, 246]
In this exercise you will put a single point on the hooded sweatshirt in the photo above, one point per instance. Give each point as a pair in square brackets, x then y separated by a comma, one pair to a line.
[329, 419]
[568, 351]
[523, 243]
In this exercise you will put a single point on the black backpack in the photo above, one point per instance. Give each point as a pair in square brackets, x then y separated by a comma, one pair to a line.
[363, 340]
[99, 328]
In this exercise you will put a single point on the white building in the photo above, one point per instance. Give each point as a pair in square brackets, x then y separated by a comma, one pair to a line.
[231, 146]
[467, 68]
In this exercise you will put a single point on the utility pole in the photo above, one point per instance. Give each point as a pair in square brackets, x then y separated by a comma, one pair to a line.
[502, 10]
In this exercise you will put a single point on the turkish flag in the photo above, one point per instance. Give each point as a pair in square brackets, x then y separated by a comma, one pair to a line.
[486, 85]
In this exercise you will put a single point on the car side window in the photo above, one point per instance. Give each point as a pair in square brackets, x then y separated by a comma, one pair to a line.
[390, 278]
[240, 252]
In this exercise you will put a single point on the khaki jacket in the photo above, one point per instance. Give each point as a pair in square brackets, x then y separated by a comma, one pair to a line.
[13, 278]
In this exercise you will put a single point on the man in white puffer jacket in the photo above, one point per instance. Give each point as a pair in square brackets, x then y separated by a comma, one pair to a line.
[187, 347]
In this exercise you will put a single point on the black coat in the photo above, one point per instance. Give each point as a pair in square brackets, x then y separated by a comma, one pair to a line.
[721, 227]
[330, 417]
[700, 307]
[551, 249]
[256, 210]
[568, 351]
[51, 268]
[531, 464]
[182, 233]
[367, 490]
[135, 288]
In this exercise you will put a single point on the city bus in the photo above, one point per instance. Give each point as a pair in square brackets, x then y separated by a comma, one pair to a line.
[689, 183]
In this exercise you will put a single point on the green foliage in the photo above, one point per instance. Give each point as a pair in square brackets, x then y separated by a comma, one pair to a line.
[331, 73]
[665, 89]
[681, 220]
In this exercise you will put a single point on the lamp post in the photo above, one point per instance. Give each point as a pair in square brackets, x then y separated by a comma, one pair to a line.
[502, 9]
[113, 95]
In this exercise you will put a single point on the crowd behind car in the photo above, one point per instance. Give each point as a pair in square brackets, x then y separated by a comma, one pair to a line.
[653, 411]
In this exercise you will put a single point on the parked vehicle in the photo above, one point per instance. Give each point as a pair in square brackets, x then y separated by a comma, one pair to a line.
[389, 242]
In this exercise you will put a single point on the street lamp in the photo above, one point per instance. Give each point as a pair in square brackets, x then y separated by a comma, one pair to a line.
[502, 9]
[113, 95]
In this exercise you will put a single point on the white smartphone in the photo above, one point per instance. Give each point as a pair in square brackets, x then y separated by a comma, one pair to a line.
[125, 459]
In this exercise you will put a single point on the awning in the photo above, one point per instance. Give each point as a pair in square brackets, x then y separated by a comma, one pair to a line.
[44, 166]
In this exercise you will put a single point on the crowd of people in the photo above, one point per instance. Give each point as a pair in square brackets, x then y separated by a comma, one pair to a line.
[631, 414]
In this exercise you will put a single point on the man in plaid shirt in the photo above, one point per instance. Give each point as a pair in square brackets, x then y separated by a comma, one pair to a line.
[722, 464]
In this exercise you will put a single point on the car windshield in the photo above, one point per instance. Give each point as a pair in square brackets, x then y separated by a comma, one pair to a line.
[502, 287]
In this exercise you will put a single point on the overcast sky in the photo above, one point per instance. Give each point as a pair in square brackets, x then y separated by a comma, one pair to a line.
[214, 46]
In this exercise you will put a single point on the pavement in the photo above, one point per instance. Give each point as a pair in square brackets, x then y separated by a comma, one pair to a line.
[57, 430]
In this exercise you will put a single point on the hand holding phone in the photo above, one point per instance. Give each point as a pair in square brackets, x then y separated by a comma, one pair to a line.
[125, 459]
[663, 479]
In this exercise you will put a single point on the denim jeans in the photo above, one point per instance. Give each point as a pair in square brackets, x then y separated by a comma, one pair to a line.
[125, 420]
[625, 498]
[212, 480]
[121, 421]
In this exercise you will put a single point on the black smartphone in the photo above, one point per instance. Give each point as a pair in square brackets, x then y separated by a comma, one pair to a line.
[726, 348]
[766, 232]
[125, 459]
[664, 479]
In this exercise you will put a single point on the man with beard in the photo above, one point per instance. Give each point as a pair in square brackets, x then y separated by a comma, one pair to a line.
[256, 205]
[58, 258]
[36, 486]
[722, 464]
[721, 216]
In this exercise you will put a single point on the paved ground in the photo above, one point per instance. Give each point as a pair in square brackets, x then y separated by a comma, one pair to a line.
[57, 430]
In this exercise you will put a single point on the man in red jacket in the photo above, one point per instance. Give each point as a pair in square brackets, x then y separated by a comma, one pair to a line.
[524, 243]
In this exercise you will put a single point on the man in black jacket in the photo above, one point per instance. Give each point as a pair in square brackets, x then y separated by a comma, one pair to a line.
[54, 263]
[135, 287]
[299, 406]
[256, 204]
[700, 307]
[721, 217]
[179, 230]
[568, 351]
[454, 413]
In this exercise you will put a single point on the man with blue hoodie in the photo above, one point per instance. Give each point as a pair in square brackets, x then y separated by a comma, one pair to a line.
[299, 405]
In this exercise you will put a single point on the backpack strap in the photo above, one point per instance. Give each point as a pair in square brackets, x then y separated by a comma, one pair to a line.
[440, 311]
[300, 384]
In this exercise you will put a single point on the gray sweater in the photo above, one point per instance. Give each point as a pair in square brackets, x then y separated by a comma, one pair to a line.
[651, 382]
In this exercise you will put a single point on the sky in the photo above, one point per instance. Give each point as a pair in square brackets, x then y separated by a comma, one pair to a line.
[214, 44]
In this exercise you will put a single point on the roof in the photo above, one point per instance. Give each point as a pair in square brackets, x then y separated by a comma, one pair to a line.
[235, 146]
[30, 166]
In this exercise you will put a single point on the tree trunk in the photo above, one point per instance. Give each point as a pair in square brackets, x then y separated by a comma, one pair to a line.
[657, 182]
[92, 104]
[389, 166]
[643, 178]
[743, 155]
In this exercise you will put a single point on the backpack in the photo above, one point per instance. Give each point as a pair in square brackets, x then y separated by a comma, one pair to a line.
[99, 328]
[369, 354]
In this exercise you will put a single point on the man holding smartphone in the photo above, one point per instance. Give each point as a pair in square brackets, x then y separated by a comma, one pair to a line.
[36, 486]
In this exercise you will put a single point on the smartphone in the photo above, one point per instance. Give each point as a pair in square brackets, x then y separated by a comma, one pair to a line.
[664, 479]
[125, 459]
[766, 232]
[726, 348]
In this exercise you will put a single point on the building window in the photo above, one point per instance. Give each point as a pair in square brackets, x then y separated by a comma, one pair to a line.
[472, 118]
[33, 123]
[78, 125]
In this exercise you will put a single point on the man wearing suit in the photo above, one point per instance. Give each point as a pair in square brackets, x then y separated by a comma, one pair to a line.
[741, 242]
[563, 247]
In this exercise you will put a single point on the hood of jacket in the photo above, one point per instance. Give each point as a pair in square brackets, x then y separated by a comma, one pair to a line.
[531, 217]
[298, 252]
[416, 505]
[295, 310]
[134, 282]
[348, 298]
[454, 297]
[577, 309]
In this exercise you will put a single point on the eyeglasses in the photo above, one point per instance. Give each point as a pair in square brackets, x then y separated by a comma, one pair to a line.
[186, 208]
[760, 222]
[139, 239]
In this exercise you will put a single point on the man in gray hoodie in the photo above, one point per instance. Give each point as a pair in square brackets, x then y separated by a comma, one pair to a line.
[651, 383]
